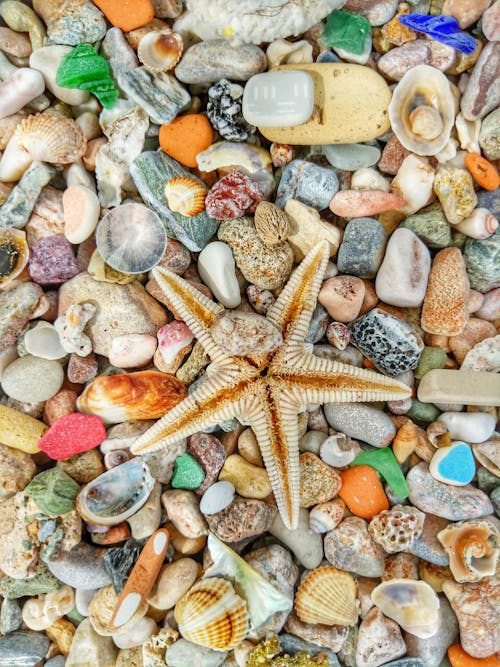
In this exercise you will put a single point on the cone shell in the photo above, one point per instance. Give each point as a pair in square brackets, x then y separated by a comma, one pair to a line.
[327, 596]
[185, 195]
[473, 548]
[14, 254]
[51, 137]
[211, 614]
[160, 50]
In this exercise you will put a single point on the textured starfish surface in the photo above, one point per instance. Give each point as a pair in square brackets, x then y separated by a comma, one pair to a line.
[266, 391]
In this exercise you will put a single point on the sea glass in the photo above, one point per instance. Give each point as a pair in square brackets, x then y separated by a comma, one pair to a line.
[444, 29]
[384, 462]
[83, 68]
[347, 31]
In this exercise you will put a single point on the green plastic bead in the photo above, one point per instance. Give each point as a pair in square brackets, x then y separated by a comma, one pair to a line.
[431, 357]
[385, 463]
[347, 31]
[83, 68]
[53, 491]
[188, 473]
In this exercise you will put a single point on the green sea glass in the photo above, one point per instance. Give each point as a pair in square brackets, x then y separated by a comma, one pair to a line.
[83, 68]
[385, 463]
[347, 31]
[188, 473]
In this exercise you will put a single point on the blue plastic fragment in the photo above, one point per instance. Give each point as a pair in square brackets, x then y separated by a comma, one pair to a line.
[443, 29]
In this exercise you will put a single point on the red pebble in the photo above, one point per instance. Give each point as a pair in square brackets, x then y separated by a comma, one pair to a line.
[233, 196]
[72, 434]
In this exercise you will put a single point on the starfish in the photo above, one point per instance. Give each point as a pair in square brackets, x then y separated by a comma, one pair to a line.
[265, 391]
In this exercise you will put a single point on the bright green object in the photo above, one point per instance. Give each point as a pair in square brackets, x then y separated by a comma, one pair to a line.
[188, 473]
[53, 491]
[83, 68]
[385, 463]
[347, 31]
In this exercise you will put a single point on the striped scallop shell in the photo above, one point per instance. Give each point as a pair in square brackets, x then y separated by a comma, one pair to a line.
[160, 50]
[51, 137]
[211, 614]
[185, 195]
[328, 596]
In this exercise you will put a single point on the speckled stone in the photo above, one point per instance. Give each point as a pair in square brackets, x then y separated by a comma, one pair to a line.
[210, 454]
[362, 248]
[350, 547]
[11, 617]
[16, 308]
[430, 225]
[43, 582]
[82, 567]
[318, 481]
[379, 640]
[455, 190]
[52, 261]
[432, 650]
[17, 468]
[245, 517]
[482, 262]
[398, 61]
[361, 421]
[215, 59]
[71, 21]
[266, 266]
[23, 648]
[308, 183]
[32, 379]
[293, 644]
[390, 343]
[183, 652]
[489, 136]
[482, 93]
[455, 503]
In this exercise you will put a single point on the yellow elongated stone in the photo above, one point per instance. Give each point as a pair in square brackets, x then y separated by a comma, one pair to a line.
[350, 105]
[20, 431]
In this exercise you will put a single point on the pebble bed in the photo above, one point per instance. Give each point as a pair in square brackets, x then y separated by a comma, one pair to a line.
[137, 145]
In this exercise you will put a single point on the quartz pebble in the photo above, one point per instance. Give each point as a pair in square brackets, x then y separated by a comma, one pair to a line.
[379, 640]
[468, 426]
[342, 296]
[217, 269]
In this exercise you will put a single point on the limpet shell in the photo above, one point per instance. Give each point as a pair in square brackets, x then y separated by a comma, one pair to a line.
[116, 494]
[14, 254]
[327, 596]
[51, 137]
[212, 614]
[185, 195]
[43, 341]
[160, 50]
[473, 548]
[131, 238]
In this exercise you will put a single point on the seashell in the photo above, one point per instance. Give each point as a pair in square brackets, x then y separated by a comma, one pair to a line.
[8, 127]
[438, 434]
[405, 441]
[131, 238]
[40, 612]
[338, 450]
[212, 614]
[338, 335]
[396, 529]
[326, 516]
[488, 455]
[116, 494]
[160, 50]
[422, 110]
[473, 548]
[481, 224]
[272, 224]
[14, 254]
[468, 133]
[414, 605]
[51, 137]
[282, 52]
[43, 341]
[327, 596]
[249, 158]
[185, 195]
[128, 396]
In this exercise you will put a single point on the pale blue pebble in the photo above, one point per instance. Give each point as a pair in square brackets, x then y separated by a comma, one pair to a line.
[454, 465]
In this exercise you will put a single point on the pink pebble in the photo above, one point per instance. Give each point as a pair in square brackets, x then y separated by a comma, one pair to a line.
[173, 338]
[342, 297]
[358, 203]
[490, 307]
[72, 434]
[490, 23]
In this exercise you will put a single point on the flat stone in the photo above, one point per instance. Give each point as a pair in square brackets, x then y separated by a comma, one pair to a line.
[482, 92]
[459, 387]
[32, 379]
[345, 115]
[23, 648]
[350, 547]
[212, 60]
[361, 421]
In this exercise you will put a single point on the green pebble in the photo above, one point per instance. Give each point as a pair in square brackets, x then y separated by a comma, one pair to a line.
[430, 358]
[384, 462]
[188, 473]
[431, 226]
[482, 259]
[43, 582]
[83, 68]
[75, 617]
[486, 480]
[423, 412]
[53, 491]
[347, 31]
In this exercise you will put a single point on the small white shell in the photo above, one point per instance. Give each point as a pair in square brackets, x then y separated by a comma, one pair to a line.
[481, 224]
[160, 50]
[43, 341]
[281, 52]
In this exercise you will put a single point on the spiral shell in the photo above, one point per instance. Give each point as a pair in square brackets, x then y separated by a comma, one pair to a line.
[185, 195]
[51, 137]
[328, 596]
[422, 110]
[212, 614]
[473, 548]
[14, 254]
[160, 50]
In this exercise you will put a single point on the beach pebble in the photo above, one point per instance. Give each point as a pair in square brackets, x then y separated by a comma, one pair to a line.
[17, 306]
[362, 248]
[482, 258]
[455, 191]
[455, 503]
[132, 350]
[430, 225]
[10, 616]
[358, 203]
[349, 157]
[453, 465]
[481, 95]
[432, 650]
[318, 482]
[361, 421]
[24, 648]
[468, 426]
[174, 580]
[489, 135]
[249, 480]
[342, 296]
[240, 333]
[308, 183]
[81, 213]
[243, 518]
[144, 522]
[475, 331]
[379, 640]
[16, 470]
[308, 229]
[183, 511]
[52, 261]
[46, 60]
[350, 547]
[314, 637]
[210, 454]
[136, 634]
[99, 651]
[307, 547]
[395, 63]
[413, 183]
[183, 652]
[233, 196]
[81, 567]
[32, 379]
[217, 269]
[212, 60]
[217, 497]
[19, 89]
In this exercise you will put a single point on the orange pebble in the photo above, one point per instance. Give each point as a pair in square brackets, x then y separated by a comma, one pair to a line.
[362, 492]
[459, 658]
[185, 137]
[126, 14]
[483, 172]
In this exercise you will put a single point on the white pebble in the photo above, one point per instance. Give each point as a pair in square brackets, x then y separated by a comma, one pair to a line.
[472, 427]
[131, 350]
[82, 600]
[414, 182]
[217, 270]
[217, 497]
[22, 87]
[81, 210]
[135, 635]
[46, 60]
[368, 178]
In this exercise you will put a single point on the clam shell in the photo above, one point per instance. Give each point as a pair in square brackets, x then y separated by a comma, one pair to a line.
[160, 50]
[473, 548]
[185, 195]
[51, 137]
[414, 605]
[116, 494]
[212, 614]
[327, 596]
[14, 254]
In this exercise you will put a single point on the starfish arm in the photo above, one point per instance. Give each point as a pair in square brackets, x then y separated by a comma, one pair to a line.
[188, 303]
[316, 380]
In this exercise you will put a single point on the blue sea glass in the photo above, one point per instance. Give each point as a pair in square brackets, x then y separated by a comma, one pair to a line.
[443, 29]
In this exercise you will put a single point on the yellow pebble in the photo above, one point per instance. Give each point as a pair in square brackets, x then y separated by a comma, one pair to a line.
[61, 632]
[20, 431]
[249, 481]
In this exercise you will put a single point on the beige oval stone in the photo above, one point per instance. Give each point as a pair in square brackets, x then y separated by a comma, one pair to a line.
[350, 106]
[174, 581]
[249, 481]
[249, 449]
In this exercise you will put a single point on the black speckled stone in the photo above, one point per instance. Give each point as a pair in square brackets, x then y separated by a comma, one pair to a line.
[23, 649]
[362, 248]
[389, 343]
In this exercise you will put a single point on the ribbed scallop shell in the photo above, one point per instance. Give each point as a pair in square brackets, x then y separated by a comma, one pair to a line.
[211, 614]
[14, 254]
[327, 596]
[185, 195]
[51, 137]
[160, 50]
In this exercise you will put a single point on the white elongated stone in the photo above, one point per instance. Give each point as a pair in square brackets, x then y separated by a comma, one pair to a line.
[81, 209]
[46, 60]
[217, 497]
[402, 276]
[278, 99]
[461, 387]
[217, 270]
[132, 350]
[22, 87]
[350, 157]
[469, 426]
